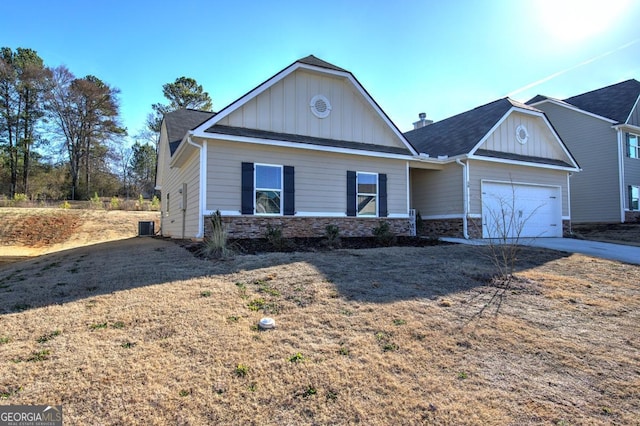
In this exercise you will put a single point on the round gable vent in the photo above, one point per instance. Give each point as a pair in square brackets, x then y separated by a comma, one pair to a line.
[320, 106]
[522, 135]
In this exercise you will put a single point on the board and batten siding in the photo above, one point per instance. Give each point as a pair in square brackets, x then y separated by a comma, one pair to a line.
[634, 117]
[541, 142]
[284, 108]
[188, 173]
[320, 177]
[485, 170]
[436, 193]
[595, 194]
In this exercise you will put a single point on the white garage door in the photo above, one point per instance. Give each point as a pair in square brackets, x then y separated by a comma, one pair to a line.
[512, 210]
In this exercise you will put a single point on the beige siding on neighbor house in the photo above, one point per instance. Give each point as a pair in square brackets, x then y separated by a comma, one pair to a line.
[595, 194]
[172, 218]
[284, 108]
[485, 170]
[437, 193]
[541, 141]
[320, 177]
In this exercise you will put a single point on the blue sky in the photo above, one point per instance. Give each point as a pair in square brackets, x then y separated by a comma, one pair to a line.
[438, 57]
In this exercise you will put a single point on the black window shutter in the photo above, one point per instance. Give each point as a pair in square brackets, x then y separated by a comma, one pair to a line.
[382, 195]
[247, 188]
[289, 191]
[351, 193]
[628, 145]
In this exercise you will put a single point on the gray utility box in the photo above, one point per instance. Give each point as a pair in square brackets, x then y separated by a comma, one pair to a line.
[145, 229]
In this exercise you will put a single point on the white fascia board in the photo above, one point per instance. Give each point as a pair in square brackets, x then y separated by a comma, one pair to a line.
[523, 163]
[178, 153]
[574, 108]
[559, 141]
[493, 129]
[312, 147]
[627, 128]
[382, 114]
[635, 105]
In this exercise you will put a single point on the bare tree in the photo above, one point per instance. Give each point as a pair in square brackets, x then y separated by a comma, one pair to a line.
[85, 114]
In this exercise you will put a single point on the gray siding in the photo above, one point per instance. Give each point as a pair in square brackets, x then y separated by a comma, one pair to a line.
[320, 177]
[437, 192]
[631, 177]
[595, 195]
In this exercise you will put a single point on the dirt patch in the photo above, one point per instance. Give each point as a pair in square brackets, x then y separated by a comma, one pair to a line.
[35, 231]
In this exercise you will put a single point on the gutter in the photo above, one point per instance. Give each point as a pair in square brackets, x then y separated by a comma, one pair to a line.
[200, 200]
[465, 197]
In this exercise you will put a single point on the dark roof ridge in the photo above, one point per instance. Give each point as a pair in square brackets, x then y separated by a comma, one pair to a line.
[315, 61]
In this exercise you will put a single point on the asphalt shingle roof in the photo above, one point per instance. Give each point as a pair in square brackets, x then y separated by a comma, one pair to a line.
[302, 139]
[614, 102]
[181, 121]
[312, 60]
[459, 134]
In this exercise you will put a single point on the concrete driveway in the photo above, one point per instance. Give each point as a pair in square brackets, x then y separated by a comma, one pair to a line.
[619, 252]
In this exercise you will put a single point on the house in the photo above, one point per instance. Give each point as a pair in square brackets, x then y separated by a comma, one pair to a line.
[307, 148]
[602, 130]
[506, 174]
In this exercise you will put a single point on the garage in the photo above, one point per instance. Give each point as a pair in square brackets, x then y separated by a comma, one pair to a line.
[521, 210]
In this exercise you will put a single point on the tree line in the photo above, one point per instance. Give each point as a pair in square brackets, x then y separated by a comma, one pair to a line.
[61, 136]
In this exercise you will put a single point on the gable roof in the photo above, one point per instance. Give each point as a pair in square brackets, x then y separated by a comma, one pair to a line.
[309, 62]
[459, 134]
[179, 122]
[614, 102]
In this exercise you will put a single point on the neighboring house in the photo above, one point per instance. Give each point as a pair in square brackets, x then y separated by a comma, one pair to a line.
[307, 148]
[506, 173]
[602, 130]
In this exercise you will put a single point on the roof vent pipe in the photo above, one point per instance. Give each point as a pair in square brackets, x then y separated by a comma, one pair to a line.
[422, 121]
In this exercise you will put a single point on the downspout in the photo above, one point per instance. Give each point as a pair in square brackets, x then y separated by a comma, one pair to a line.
[465, 198]
[200, 201]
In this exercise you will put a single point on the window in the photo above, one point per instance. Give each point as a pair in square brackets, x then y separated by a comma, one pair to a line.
[634, 197]
[367, 187]
[633, 147]
[268, 189]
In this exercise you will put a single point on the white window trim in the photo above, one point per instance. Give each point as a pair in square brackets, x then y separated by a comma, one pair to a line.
[358, 193]
[636, 148]
[255, 188]
[630, 199]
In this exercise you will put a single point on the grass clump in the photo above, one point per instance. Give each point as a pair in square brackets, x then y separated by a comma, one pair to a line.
[256, 304]
[216, 243]
[241, 370]
[4, 340]
[47, 337]
[297, 357]
[205, 293]
[39, 356]
[98, 326]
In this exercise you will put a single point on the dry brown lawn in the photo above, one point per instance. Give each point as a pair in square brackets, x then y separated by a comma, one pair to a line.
[617, 233]
[139, 331]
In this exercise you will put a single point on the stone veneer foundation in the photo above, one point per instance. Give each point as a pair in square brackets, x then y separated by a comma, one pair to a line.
[256, 226]
[632, 216]
[454, 228]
